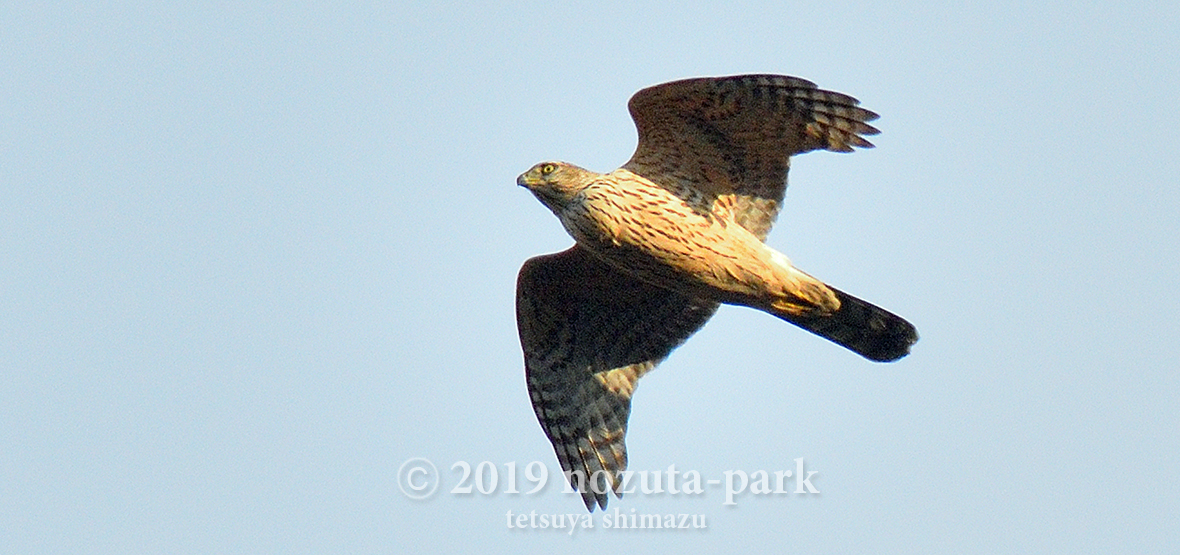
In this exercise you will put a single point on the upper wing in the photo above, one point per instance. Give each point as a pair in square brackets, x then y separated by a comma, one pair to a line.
[728, 139]
[588, 334]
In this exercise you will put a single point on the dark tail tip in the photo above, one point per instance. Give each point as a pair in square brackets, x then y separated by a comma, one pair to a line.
[864, 328]
[889, 343]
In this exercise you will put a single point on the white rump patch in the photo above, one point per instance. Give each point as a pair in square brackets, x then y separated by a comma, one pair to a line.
[780, 258]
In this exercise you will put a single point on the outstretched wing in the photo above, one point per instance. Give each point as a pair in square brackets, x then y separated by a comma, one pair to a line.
[589, 333]
[729, 139]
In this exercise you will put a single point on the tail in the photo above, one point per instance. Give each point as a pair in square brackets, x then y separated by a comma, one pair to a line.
[864, 328]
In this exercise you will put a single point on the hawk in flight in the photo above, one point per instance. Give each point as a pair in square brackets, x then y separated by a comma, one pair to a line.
[663, 240]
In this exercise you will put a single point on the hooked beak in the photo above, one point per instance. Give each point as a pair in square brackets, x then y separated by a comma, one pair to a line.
[525, 181]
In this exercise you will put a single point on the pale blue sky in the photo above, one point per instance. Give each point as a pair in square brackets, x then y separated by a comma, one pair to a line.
[254, 257]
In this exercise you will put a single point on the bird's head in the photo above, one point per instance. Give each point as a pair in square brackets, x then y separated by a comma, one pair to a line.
[555, 183]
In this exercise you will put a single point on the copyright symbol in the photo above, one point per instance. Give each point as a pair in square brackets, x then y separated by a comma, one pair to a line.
[418, 478]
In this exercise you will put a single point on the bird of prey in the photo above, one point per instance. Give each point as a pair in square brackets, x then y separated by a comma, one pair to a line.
[661, 241]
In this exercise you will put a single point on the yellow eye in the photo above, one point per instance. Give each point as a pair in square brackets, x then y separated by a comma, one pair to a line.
[548, 169]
